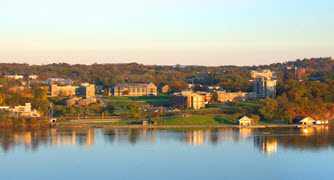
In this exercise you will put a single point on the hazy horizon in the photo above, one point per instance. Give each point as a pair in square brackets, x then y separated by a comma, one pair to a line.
[59, 62]
[186, 32]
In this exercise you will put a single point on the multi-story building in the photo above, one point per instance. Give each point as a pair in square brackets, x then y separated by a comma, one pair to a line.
[188, 99]
[24, 111]
[295, 72]
[265, 87]
[135, 89]
[224, 96]
[84, 89]
[56, 90]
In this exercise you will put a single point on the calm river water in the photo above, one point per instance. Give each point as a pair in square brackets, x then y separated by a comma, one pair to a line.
[226, 153]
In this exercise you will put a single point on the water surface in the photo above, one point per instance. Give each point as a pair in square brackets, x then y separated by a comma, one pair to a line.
[226, 153]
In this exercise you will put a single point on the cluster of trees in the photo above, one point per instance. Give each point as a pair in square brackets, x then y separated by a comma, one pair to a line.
[306, 98]
[232, 78]
[94, 109]
[36, 95]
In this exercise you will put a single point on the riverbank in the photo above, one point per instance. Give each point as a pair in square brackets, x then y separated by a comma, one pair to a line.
[193, 121]
[72, 125]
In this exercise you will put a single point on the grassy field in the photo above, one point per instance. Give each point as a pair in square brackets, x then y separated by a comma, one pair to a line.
[161, 99]
[196, 120]
[105, 123]
[270, 123]
[246, 103]
[177, 120]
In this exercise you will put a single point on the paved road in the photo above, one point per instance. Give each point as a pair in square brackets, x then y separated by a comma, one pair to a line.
[96, 120]
[103, 102]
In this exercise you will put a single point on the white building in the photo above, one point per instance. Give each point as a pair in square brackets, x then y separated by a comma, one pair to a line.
[24, 111]
[14, 76]
[321, 121]
[33, 77]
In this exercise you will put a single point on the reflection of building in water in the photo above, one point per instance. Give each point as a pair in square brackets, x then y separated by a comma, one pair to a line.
[195, 137]
[307, 131]
[306, 138]
[244, 133]
[130, 135]
[322, 129]
[59, 138]
[27, 138]
[150, 135]
[214, 136]
[22, 138]
[268, 144]
[86, 138]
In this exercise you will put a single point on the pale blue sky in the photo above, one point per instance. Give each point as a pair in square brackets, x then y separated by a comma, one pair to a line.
[202, 32]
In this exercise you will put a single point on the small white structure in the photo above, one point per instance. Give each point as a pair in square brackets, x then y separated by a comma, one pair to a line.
[24, 111]
[59, 80]
[4, 107]
[33, 77]
[321, 121]
[304, 120]
[244, 120]
[14, 76]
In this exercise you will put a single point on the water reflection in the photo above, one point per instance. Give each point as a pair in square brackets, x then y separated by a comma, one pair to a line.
[266, 140]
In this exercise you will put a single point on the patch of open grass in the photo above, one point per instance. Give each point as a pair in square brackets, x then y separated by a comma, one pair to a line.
[105, 123]
[246, 103]
[195, 120]
[225, 119]
[270, 123]
[140, 100]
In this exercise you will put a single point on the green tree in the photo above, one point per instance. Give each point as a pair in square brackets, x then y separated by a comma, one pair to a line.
[255, 118]
[235, 101]
[269, 109]
[134, 110]
[105, 92]
[214, 96]
[110, 108]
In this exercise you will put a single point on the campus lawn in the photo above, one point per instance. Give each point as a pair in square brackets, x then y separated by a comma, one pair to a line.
[271, 123]
[246, 103]
[160, 100]
[105, 123]
[196, 120]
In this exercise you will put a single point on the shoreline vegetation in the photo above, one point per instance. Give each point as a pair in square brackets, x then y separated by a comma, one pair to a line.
[23, 122]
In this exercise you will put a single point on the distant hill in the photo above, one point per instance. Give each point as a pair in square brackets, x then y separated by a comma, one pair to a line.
[176, 76]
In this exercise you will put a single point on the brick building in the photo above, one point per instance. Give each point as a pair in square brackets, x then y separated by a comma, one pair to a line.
[294, 72]
[188, 99]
